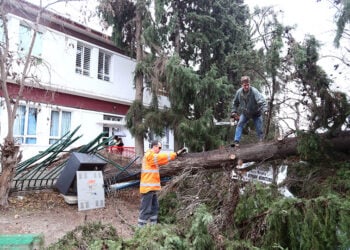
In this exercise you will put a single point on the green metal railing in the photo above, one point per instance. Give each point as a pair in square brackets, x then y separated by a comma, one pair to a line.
[42, 170]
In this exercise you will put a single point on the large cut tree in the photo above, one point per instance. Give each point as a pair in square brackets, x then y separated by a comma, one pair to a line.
[226, 158]
[197, 44]
[129, 20]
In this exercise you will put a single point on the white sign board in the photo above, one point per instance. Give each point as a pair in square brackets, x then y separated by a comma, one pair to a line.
[263, 174]
[90, 190]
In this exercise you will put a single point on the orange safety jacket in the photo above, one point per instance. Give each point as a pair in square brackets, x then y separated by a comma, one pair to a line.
[150, 177]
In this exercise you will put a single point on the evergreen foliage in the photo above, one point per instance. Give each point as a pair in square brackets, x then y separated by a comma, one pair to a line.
[342, 19]
[165, 236]
[198, 234]
[191, 211]
[156, 237]
[308, 224]
[255, 201]
[135, 109]
[196, 78]
[311, 147]
[198, 51]
[168, 206]
[326, 109]
[82, 237]
[120, 17]
[264, 219]
[339, 182]
[330, 176]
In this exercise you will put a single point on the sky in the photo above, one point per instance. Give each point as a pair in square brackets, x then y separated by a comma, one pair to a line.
[309, 16]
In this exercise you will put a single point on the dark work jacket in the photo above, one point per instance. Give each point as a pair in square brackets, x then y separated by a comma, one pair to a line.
[251, 104]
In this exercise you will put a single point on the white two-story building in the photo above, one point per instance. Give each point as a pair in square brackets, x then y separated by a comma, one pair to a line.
[80, 78]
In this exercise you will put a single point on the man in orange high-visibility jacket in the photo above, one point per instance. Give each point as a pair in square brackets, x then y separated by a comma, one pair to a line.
[150, 181]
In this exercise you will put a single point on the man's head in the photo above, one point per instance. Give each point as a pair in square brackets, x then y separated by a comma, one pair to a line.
[156, 146]
[245, 82]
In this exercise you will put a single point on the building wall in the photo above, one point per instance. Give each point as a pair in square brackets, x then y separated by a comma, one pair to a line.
[57, 71]
[91, 125]
[88, 130]
[87, 97]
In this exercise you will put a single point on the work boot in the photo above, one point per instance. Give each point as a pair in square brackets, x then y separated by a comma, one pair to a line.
[235, 144]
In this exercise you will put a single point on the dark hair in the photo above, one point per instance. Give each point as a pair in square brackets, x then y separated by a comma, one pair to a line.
[245, 79]
[154, 143]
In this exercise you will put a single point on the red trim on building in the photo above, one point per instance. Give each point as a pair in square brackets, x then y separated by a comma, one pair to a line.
[67, 100]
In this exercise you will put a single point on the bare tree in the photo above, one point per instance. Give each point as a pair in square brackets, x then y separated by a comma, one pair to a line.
[17, 67]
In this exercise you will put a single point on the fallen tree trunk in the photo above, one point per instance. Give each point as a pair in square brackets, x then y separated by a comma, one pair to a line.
[226, 157]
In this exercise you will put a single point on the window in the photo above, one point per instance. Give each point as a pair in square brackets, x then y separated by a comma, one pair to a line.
[82, 61]
[25, 39]
[164, 140]
[112, 118]
[25, 125]
[60, 125]
[107, 133]
[104, 61]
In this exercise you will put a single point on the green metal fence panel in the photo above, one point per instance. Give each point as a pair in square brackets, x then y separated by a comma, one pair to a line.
[40, 171]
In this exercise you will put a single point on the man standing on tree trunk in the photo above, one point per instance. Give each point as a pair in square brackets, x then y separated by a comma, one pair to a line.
[150, 181]
[248, 103]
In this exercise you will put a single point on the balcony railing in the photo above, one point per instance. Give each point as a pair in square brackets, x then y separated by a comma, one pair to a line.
[123, 151]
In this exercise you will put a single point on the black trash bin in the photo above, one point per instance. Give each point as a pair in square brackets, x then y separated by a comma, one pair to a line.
[66, 182]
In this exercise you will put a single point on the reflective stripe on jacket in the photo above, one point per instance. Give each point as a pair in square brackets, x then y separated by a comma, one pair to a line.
[150, 177]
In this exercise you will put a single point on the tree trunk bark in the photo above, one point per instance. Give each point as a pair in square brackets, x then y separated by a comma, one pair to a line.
[139, 137]
[226, 157]
[10, 157]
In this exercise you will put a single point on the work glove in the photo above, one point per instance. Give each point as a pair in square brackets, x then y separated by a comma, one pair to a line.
[181, 151]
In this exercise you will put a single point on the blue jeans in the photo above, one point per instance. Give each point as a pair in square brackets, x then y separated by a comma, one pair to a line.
[148, 209]
[258, 122]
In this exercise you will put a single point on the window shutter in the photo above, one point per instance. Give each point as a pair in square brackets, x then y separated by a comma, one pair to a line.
[100, 66]
[87, 55]
[82, 60]
[78, 59]
[103, 66]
